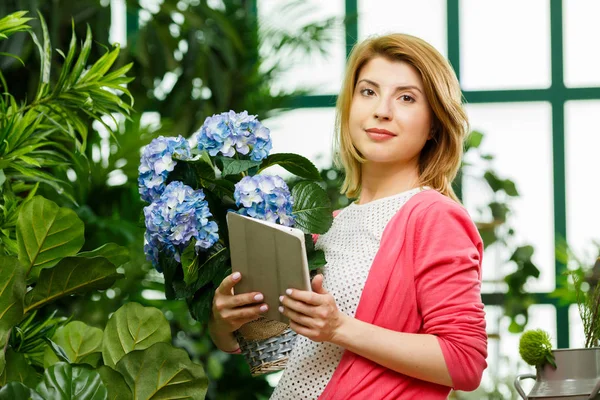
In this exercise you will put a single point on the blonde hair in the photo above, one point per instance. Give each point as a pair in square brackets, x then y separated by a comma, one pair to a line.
[441, 157]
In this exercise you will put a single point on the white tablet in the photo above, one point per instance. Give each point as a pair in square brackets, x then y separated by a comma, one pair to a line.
[270, 257]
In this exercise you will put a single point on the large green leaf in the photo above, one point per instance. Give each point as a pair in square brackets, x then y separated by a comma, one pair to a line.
[163, 372]
[72, 275]
[206, 267]
[12, 293]
[81, 343]
[294, 163]
[115, 383]
[117, 255]
[231, 166]
[16, 390]
[63, 381]
[18, 369]
[312, 207]
[46, 233]
[133, 327]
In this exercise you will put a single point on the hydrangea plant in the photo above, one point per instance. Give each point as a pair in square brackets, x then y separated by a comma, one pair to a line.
[191, 185]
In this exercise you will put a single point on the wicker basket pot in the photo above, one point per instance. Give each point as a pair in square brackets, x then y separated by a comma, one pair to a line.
[266, 345]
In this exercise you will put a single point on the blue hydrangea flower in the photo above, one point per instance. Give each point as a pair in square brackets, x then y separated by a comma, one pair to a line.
[265, 197]
[229, 133]
[177, 216]
[156, 163]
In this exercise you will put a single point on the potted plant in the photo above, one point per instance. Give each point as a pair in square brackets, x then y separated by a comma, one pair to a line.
[566, 372]
[192, 184]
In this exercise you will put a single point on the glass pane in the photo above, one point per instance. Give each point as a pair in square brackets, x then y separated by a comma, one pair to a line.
[583, 193]
[580, 29]
[425, 19]
[504, 361]
[519, 136]
[502, 48]
[318, 72]
[306, 131]
[576, 336]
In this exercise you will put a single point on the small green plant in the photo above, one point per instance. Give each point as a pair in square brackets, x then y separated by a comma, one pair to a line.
[588, 302]
[535, 348]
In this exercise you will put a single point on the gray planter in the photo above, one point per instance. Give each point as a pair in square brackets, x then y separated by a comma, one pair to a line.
[576, 377]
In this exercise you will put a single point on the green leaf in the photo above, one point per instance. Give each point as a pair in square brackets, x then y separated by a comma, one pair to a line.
[65, 382]
[231, 166]
[117, 255]
[189, 264]
[115, 383]
[133, 327]
[46, 233]
[57, 352]
[72, 275]
[45, 57]
[16, 390]
[510, 188]
[163, 372]
[312, 207]
[316, 260]
[212, 262]
[294, 163]
[18, 370]
[12, 294]
[81, 343]
[473, 140]
[200, 304]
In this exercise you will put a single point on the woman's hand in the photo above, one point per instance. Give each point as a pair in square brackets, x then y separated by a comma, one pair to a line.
[229, 311]
[312, 314]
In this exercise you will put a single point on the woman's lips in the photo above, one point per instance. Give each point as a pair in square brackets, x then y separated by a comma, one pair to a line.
[379, 134]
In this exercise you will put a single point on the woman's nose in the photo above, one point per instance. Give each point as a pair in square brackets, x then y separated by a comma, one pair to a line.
[383, 110]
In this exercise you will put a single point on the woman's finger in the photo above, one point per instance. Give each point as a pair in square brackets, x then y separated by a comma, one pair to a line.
[244, 299]
[297, 306]
[297, 317]
[242, 313]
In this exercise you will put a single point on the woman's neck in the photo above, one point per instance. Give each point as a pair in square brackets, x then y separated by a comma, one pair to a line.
[383, 180]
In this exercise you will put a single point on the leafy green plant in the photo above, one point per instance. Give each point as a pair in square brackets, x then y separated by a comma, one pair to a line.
[494, 225]
[50, 131]
[535, 348]
[132, 358]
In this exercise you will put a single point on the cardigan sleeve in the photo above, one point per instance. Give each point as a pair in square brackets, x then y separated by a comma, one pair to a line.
[447, 266]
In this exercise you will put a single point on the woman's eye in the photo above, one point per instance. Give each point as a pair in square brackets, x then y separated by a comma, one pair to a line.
[407, 98]
[367, 92]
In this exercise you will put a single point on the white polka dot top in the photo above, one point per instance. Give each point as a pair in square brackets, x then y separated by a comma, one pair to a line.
[350, 246]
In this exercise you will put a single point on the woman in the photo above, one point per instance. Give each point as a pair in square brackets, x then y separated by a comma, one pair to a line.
[398, 312]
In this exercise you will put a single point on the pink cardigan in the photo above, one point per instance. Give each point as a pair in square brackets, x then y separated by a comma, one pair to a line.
[425, 278]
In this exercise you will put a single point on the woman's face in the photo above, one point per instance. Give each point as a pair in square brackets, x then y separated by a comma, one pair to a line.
[390, 118]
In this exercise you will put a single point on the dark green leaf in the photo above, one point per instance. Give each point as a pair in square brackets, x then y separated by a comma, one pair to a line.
[316, 260]
[72, 275]
[18, 369]
[312, 208]
[12, 293]
[510, 188]
[46, 233]
[18, 391]
[294, 163]
[65, 382]
[231, 166]
[201, 304]
[117, 255]
[115, 384]
[133, 327]
[163, 372]
[493, 181]
[57, 352]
